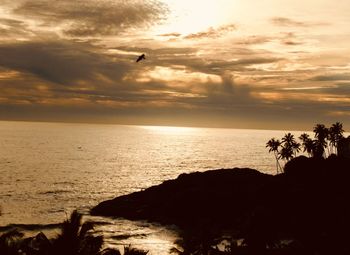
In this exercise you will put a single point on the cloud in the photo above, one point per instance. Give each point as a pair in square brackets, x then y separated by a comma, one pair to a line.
[93, 18]
[61, 62]
[254, 40]
[75, 73]
[287, 22]
[281, 21]
[292, 43]
[332, 77]
[171, 35]
[228, 94]
[10, 28]
[212, 32]
[106, 96]
[96, 78]
[207, 63]
[289, 39]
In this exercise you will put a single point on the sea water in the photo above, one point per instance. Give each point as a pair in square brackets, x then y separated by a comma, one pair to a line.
[47, 170]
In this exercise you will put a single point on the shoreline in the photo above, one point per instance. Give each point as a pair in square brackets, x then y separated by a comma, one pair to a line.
[245, 204]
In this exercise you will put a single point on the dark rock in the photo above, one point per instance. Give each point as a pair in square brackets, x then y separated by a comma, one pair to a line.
[309, 204]
[215, 195]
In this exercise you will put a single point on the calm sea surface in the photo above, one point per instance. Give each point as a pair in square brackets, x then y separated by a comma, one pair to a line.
[49, 169]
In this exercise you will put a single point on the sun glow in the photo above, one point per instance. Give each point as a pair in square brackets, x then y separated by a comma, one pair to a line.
[170, 130]
[194, 16]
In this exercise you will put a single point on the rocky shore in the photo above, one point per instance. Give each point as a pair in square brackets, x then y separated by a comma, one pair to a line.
[308, 204]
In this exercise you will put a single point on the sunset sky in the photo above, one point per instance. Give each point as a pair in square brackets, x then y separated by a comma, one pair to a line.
[275, 64]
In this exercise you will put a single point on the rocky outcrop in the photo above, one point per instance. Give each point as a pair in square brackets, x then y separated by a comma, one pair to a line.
[216, 195]
[308, 203]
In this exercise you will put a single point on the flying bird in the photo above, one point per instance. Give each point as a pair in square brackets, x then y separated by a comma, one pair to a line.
[140, 58]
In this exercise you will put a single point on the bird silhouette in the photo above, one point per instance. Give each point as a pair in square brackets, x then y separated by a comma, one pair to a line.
[143, 56]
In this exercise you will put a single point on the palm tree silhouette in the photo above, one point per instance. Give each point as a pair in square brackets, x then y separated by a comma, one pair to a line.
[274, 145]
[288, 139]
[291, 146]
[321, 134]
[335, 134]
[304, 137]
[286, 153]
[308, 144]
[10, 242]
[75, 239]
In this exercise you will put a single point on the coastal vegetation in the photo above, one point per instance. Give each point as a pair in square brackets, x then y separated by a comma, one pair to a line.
[76, 238]
[326, 141]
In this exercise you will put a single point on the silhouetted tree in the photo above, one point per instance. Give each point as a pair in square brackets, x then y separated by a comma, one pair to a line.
[286, 153]
[273, 146]
[290, 147]
[335, 134]
[308, 144]
[75, 239]
[10, 242]
[321, 134]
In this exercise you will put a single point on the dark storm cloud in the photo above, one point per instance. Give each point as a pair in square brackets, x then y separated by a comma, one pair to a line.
[212, 32]
[93, 18]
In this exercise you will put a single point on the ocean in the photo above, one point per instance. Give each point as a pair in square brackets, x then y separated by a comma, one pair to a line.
[47, 170]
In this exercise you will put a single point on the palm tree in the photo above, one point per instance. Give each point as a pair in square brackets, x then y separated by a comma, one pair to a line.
[310, 147]
[76, 239]
[10, 242]
[335, 135]
[321, 134]
[290, 144]
[295, 148]
[308, 144]
[304, 137]
[288, 138]
[286, 152]
[273, 145]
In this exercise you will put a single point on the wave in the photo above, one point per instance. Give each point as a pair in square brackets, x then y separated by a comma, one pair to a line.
[30, 227]
[59, 191]
[125, 236]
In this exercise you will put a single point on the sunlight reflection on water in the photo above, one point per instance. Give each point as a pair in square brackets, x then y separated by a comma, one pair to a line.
[50, 169]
